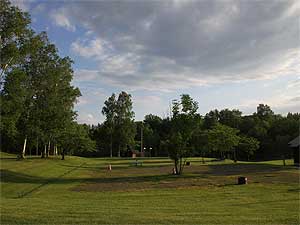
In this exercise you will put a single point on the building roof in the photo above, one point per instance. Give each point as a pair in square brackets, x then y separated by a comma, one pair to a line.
[295, 142]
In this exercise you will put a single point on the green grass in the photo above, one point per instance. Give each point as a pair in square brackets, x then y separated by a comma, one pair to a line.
[81, 191]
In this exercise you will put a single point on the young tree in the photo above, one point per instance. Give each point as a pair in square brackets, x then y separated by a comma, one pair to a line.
[177, 151]
[183, 123]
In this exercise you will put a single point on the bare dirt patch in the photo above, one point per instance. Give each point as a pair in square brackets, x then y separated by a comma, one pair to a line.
[145, 178]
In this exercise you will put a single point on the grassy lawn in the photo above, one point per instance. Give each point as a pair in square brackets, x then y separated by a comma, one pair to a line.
[81, 191]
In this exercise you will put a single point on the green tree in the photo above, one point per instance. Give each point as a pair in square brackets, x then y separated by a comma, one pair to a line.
[75, 139]
[231, 118]
[248, 145]
[37, 82]
[211, 119]
[222, 139]
[110, 110]
[14, 32]
[183, 123]
[177, 151]
[264, 111]
[125, 126]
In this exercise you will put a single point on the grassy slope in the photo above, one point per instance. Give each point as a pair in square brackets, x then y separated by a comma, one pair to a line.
[55, 201]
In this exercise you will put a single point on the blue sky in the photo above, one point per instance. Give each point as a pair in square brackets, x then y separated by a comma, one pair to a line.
[225, 54]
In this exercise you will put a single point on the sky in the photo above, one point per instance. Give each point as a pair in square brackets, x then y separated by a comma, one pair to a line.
[225, 53]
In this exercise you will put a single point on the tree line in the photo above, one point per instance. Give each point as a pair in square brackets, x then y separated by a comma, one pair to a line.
[221, 134]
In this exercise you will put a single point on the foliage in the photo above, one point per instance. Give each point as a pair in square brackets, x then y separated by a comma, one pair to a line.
[37, 98]
[182, 127]
[120, 123]
[248, 145]
[222, 139]
[75, 139]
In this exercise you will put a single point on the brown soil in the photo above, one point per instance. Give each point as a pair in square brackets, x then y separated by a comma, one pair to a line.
[145, 178]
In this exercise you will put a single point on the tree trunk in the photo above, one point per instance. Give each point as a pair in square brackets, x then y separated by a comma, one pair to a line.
[119, 151]
[234, 156]
[182, 163]
[24, 148]
[48, 150]
[283, 159]
[248, 157]
[37, 146]
[44, 152]
[111, 145]
[55, 149]
[176, 167]
[63, 155]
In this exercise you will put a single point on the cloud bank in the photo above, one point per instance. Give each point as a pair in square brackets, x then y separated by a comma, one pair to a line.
[164, 45]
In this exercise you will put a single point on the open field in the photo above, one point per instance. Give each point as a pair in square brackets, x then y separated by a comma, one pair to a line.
[81, 190]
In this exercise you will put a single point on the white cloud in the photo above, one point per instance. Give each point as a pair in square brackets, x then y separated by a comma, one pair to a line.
[61, 19]
[22, 4]
[88, 48]
[279, 103]
[87, 118]
[150, 104]
[85, 75]
[170, 45]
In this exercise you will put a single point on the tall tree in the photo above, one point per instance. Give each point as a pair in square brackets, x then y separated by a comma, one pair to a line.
[14, 31]
[110, 110]
[124, 123]
[38, 81]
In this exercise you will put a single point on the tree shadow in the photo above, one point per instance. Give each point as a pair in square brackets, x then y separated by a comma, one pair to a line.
[240, 168]
[8, 176]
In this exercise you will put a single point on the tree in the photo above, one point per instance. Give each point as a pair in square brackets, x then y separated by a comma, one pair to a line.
[125, 127]
[75, 139]
[37, 82]
[264, 111]
[177, 151]
[222, 139]
[109, 110]
[231, 118]
[13, 98]
[282, 146]
[199, 142]
[248, 145]
[14, 31]
[211, 119]
[183, 123]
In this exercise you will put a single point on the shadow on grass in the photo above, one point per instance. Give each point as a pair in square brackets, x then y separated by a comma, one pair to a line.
[196, 172]
[238, 169]
[14, 177]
